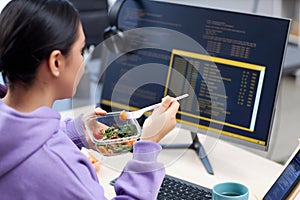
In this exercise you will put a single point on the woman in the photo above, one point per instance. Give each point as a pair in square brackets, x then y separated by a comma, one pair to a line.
[41, 43]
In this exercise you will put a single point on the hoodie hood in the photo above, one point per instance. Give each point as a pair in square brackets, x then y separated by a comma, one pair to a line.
[22, 134]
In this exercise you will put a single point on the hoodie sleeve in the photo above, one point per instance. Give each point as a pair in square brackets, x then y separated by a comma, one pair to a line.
[74, 130]
[143, 175]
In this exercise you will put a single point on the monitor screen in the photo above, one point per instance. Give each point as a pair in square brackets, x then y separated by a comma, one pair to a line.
[228, 62]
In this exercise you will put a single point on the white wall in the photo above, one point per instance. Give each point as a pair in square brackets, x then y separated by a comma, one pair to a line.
[264, 7]
[3, 4]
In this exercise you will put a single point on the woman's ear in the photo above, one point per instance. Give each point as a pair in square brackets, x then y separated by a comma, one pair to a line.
[55, 62]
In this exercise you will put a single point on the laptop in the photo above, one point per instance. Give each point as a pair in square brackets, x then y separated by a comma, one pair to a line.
[287, 183]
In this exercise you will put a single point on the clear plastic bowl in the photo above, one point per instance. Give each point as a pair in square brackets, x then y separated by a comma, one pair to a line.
[111, 135]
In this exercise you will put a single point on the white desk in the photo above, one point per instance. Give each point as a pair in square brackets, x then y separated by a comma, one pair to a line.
[229, 163]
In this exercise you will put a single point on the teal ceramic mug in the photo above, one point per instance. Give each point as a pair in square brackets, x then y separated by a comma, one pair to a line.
[230, 191]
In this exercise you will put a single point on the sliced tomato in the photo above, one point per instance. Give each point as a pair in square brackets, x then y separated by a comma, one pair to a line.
[97, 135]
[122, 116]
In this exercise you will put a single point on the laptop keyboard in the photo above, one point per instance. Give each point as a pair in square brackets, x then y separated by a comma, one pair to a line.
[174, 188]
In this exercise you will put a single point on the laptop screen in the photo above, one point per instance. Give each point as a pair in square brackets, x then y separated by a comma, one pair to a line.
[287, 180]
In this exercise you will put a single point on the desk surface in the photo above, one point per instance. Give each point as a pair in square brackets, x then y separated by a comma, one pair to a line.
[229, 163]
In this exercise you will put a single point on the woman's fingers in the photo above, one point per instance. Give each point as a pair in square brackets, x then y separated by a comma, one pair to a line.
[162, 120]
[165, 104]
[173, 108]
[99, 111]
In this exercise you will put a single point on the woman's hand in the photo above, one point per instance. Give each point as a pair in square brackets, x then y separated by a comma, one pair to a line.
[93, 124]
[99, 112]
[161, 121]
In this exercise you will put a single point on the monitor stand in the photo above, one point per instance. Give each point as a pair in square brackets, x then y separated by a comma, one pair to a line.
[196, 146]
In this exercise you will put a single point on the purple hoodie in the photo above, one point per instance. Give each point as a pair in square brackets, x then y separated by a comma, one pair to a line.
[39, 161]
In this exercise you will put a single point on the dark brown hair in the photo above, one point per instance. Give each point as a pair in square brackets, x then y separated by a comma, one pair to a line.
[29, 31]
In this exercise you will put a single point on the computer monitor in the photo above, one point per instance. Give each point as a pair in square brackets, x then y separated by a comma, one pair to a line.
[229, 63]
